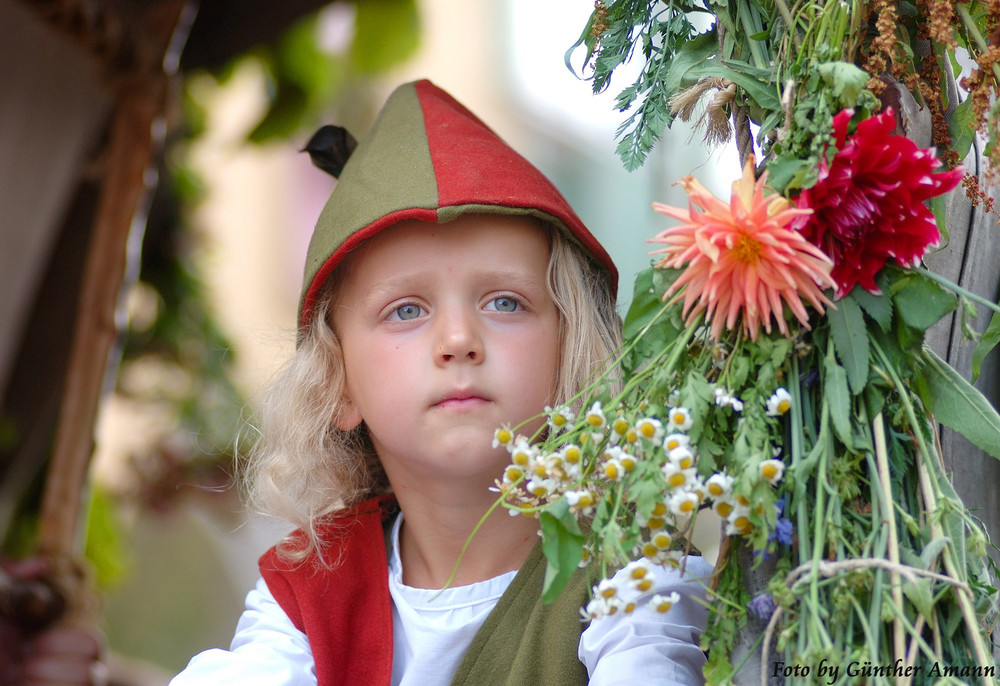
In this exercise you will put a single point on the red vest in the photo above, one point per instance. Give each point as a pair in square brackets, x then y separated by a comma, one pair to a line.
[345, 610]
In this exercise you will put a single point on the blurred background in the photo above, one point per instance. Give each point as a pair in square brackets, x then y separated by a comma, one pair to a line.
[169, 135]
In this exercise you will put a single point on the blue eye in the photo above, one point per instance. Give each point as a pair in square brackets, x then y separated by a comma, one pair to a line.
[505, 304]
[408, 311]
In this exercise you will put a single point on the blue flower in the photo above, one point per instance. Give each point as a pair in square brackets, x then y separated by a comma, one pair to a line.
[762, 606]
[783, 531]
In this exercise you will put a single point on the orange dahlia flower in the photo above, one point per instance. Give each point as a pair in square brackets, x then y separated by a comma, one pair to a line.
[741, 259]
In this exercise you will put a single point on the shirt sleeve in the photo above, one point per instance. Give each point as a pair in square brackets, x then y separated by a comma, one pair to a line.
[267, 650]
[646, 646]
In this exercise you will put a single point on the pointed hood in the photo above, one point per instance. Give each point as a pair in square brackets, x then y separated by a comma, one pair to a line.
[429, 158]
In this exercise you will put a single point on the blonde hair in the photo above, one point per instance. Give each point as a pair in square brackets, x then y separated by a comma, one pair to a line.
[303, 469]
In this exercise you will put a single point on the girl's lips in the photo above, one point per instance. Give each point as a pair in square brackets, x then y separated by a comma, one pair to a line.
[461, 402]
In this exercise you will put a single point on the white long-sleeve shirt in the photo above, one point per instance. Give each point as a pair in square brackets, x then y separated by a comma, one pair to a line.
[432, 630]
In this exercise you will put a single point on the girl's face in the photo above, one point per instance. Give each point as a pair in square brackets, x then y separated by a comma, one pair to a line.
[448, 332]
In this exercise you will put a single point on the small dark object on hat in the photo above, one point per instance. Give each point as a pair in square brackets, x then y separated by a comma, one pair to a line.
[330, 147]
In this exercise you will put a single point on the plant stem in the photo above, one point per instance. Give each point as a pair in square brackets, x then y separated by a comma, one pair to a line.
[929, 495]
[889, 518]
[970, 26]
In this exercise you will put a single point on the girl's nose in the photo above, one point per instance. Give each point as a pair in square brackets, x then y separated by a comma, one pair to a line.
[458, 339]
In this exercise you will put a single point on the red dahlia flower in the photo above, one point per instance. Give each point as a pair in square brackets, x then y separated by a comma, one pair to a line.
[868, 204]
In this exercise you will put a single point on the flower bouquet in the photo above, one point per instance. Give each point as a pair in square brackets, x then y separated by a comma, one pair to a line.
[774, 369]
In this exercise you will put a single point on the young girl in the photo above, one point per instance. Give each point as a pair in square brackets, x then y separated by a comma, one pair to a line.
[449, 290]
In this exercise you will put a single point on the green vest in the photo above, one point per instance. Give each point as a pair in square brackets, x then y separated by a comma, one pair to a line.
[525, 642]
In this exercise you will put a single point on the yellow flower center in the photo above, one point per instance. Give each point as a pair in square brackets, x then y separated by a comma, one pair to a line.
[655, 523]
[504, 436]
[769, 470]
[620, 426]
[715, 489]
[650, 549]
[513, 473]
[747, 249]
[659, 510]
[723, 509]
[687, 506]
[647, 430]
[784, 406]
[661, 540]
[677, 480]
[595, 420]
[644, 585]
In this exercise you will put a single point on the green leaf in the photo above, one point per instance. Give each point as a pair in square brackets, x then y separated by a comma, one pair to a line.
[845, 81]
[562, 545]
[850, 341]
[959, 405]
[962, 128]
[838, 399]
[987, 342]
[878, 307]
[921, 302]
[920, 592]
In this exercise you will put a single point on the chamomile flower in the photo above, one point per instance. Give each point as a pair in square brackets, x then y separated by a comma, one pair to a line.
[649, 428]
[663, 603]
[682, 457]
[601, 607]
[719, 485]
[606, 588]
[613, 469]
[503, 437]
[683, 503]
[522, 453]
[540, 488]
[738, 521]
[512, 474]
[559, 417]
[677, 477]
[571, 454]
[595, 417]
[680, 419]
[779, 403]
[639, 575]
[661, 540]
[676, 440]
[581, 501]
[619, 427]
[723, 398]
[627, 461]
[723, 508]
[772, 470]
